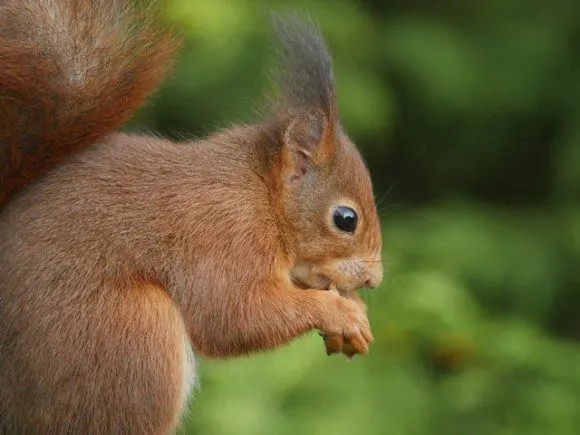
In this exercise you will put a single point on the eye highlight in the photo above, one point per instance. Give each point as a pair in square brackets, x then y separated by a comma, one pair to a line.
[345, 219]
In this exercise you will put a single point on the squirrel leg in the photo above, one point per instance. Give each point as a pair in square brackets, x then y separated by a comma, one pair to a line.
[115, 362]
[272, 318]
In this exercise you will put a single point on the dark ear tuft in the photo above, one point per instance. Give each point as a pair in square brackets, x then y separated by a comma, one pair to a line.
[304, 77]
[306, 101]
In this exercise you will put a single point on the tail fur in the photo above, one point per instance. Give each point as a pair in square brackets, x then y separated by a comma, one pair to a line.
[72, 72]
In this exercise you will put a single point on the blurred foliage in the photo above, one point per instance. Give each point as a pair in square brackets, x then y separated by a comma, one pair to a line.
[469, 116]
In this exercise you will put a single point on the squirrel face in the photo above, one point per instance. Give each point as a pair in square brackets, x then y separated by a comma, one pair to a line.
[327, 207]
[331, 208]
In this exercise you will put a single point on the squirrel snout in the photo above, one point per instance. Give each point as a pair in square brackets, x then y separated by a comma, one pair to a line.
[374, 275]
[372, 282]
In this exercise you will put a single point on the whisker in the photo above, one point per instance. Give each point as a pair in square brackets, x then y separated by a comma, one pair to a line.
[384, 196]
[388, 207]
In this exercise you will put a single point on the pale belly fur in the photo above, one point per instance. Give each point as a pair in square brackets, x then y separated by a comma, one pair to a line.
[189, 378]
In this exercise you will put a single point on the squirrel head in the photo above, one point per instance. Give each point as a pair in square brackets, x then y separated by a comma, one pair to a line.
[326, 201]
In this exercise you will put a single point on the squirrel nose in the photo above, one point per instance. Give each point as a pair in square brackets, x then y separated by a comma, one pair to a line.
[375, 275]
[372, 283]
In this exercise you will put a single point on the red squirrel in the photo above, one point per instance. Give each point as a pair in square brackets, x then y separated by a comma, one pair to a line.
[123, 255]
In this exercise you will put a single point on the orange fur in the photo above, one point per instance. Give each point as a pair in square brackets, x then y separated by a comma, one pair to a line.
[73, 71]
[119, 251]
[97, 362]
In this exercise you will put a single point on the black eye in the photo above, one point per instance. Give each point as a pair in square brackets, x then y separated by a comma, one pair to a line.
[345, 219]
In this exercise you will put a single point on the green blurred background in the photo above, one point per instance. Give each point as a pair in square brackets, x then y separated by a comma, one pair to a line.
[469, 116]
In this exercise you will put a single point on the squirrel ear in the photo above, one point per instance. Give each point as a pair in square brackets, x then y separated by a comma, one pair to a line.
[308, 140]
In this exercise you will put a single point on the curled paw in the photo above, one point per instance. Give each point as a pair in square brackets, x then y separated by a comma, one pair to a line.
[346, 328]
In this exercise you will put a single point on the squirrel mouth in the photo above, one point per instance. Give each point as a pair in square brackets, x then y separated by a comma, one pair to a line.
[305, 278]
[322, 284]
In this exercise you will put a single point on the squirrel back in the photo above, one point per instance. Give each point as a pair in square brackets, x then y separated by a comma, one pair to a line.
[72, 72]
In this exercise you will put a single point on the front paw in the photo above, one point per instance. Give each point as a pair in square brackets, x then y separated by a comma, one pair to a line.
[346, 327]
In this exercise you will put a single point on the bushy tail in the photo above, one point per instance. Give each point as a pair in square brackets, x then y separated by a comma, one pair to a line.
[71, 72]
